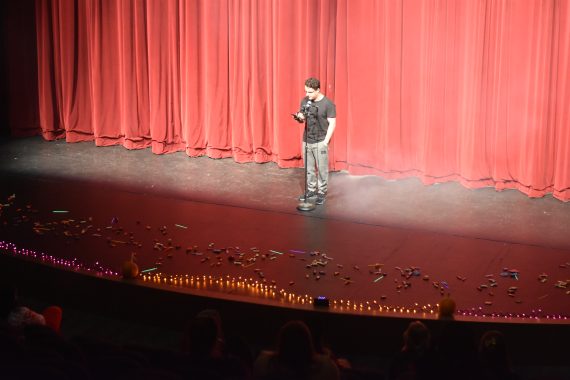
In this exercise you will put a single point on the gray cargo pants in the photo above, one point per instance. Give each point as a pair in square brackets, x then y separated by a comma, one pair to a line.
[317, 167]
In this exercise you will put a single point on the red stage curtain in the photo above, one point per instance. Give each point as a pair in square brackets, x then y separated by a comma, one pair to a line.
[475, 91]
[472, 91]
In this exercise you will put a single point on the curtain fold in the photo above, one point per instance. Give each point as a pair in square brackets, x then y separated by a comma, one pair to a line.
[474, 91]
[559, 117]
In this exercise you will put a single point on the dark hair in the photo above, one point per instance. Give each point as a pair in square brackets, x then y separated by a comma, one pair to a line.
[417, 337]
[295, 346]
[313, 83]
[201, 335]
[493, 350]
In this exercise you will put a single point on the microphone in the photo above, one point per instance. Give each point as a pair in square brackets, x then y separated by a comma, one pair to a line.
[307, 107]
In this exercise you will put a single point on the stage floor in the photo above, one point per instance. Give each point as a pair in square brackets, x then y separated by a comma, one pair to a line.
[375, 247]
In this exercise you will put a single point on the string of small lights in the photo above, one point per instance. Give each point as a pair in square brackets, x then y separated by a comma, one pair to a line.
[44, 258]
[238, 285]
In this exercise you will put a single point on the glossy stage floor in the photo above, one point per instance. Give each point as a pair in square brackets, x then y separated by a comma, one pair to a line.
[375, 247]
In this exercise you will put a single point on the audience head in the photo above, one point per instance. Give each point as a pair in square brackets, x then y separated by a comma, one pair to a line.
[416, 337]
[201, 337]
[215, 316]
[493, 350]
[295, 347]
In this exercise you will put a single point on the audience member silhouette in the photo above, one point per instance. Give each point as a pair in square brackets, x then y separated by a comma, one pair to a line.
[295, 357]
[17, 316]
[12, 313]
[204, 336]
[206, 357]
[493, 357]
[232, 345]
[31, 346]
[416, 360]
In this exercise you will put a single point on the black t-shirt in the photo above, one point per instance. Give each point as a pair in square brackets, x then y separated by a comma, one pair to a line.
[317, 114]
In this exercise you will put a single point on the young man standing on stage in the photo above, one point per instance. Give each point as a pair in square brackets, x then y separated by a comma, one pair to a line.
[320, 113]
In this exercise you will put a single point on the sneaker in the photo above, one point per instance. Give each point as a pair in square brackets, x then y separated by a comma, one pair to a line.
[310, 194]
[321, 199]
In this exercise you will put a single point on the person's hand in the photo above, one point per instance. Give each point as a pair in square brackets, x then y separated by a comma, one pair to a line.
[297, 118]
